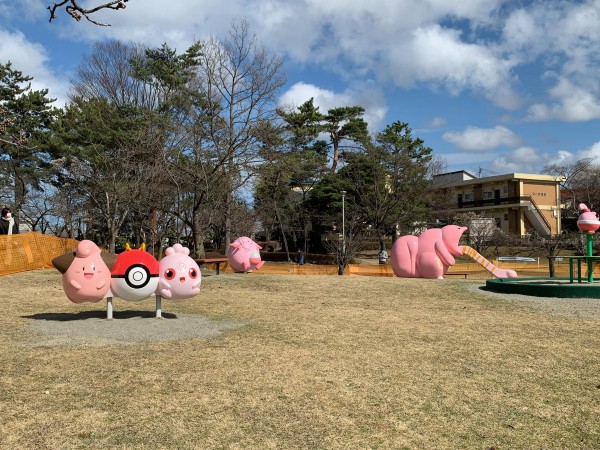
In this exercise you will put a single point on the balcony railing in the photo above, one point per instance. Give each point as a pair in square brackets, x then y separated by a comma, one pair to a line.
[507, 201]
[493, 201]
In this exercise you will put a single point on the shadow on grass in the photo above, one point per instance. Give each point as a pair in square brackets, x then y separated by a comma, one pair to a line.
[84, 315]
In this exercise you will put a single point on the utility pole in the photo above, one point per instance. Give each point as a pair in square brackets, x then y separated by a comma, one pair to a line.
[341, 268]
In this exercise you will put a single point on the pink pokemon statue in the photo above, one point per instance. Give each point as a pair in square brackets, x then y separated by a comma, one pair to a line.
[88, 277]
[243, 255]
[179, 274]
[432, 253]
[135, 274]
[588, 221]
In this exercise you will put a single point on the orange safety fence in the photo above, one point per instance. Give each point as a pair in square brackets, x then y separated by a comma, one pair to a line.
[29, 251]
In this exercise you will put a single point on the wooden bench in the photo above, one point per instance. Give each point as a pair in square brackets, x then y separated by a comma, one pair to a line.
[464, 274]
[216, 261]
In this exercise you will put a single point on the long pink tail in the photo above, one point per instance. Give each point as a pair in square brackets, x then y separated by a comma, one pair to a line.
[497, 272]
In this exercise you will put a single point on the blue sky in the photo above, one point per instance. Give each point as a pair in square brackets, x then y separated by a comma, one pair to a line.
[490, 85]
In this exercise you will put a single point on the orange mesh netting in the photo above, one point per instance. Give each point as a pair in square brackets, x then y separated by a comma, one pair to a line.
[29, 251]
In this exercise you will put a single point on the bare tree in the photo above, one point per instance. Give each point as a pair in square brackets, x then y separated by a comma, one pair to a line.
[240, 80]
[346, 247]
[77, 12]
[570, 176]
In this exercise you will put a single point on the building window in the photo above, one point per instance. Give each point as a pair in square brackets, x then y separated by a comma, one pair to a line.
[505, 216]
[488, 195]
[505, 190]
[469, 197]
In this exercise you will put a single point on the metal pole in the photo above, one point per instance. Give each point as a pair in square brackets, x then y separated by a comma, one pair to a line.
[109, 313]
[158, 307]
[590, 262]
[342, 258]
[343, 224]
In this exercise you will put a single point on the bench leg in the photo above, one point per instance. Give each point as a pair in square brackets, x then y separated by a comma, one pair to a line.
[218, 267]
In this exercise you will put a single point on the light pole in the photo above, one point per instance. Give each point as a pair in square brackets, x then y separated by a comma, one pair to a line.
[343, 225]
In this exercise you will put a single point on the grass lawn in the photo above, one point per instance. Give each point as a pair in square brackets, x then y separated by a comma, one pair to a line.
[316, 362]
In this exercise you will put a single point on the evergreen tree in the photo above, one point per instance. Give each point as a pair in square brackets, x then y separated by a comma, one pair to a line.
[24, 124]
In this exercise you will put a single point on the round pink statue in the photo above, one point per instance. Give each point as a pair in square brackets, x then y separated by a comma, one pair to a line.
[243, 255]
[588, 221]
[179, 275]
[88, 278]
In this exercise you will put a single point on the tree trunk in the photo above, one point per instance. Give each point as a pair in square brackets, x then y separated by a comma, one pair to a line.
[19, 197]
[198, 237]
[287, 250]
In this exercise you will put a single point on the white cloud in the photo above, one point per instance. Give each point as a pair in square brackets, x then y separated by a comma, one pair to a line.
[571, 103]
[477, 47]
[31, 59]
[439, 56]
[356, 40]
[593, 151]
[438, 122]
[482, 139]
[523, 159]
[24, 9]
[370, 99]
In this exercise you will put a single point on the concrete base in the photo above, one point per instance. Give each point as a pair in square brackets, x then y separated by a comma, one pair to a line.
[544, 287]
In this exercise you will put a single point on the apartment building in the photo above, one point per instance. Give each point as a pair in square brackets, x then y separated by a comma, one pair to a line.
[518, 202]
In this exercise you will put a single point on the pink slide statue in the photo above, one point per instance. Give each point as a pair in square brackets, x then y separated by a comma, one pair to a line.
[179, 274]
[431, 254]
[88, 277]
[243, 255]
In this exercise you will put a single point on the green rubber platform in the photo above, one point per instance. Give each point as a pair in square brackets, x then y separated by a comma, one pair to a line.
[545, 287]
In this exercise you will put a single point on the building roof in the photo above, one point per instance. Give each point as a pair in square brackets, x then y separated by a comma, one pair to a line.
[508, 177]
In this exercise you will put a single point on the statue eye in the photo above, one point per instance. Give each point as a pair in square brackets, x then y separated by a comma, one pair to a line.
[193, 273]
[93, 268]
[169, 274]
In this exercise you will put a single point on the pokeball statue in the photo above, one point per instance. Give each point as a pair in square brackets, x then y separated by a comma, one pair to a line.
[243, 255]
[135, 274]
[588, 221]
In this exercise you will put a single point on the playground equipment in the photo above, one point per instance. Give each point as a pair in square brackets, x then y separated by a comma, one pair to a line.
[430, 254]
[587, 223]
[90, 276]
[243, 255]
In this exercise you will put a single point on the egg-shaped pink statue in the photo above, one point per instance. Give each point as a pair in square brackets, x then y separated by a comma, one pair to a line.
[179, 275]
[88, 277]
[243, 255]
[588, 221]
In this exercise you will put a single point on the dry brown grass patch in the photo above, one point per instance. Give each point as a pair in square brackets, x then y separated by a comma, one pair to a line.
[316, 362]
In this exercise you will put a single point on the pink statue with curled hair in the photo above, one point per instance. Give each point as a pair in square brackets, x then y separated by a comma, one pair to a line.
[179, 275]
[88, 277]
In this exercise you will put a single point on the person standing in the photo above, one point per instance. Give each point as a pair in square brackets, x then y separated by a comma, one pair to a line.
[7, 223]
[383, 256]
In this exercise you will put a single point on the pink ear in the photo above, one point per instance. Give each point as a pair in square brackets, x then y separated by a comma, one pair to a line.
[259, 247]
[235, 245]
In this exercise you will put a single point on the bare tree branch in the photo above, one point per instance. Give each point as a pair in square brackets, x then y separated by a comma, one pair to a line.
[77, 12]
